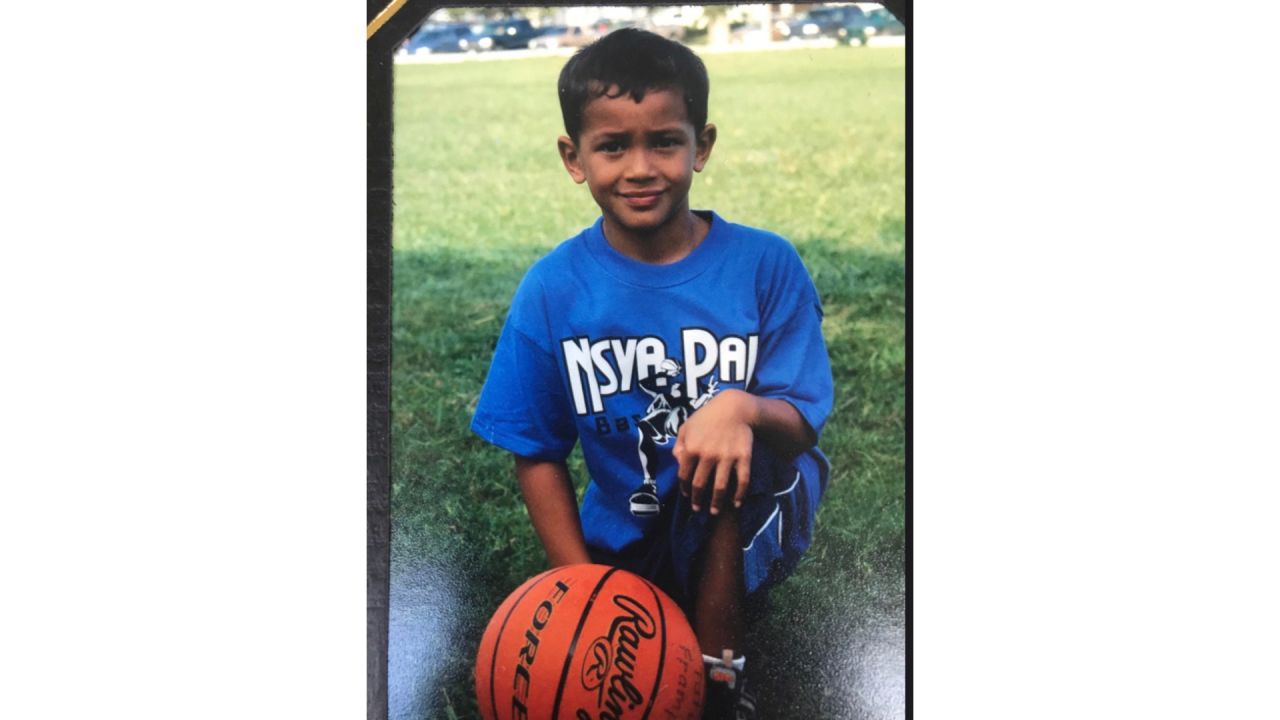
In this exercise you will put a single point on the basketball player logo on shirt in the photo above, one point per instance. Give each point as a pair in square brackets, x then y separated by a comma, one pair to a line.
[667, 411]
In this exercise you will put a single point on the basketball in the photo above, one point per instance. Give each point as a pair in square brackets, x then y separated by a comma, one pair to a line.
[589, 641]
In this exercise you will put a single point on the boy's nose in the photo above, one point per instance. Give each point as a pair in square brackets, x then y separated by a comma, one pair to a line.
[639, 165]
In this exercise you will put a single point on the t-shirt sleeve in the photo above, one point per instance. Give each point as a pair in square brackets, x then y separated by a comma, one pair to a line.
[523, 407]
[792, 364]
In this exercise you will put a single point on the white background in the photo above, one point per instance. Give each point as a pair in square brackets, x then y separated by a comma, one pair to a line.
[183, 385]
[1095, 360]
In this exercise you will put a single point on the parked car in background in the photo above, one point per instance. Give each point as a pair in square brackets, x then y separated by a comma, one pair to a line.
[499, 35]
[544, 30]
[566, 37]
[820, 22]
[876, 22]
[437, 39]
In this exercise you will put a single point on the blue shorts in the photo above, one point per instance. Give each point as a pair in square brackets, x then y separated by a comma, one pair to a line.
[775, 527]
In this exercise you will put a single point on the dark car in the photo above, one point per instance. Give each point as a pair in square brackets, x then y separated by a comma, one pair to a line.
[876, 22]
[821, 22]
[437, 39]
[545, 30]
[499, 35]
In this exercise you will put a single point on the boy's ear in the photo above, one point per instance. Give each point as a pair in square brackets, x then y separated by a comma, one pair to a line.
[706, 139]
[572, 161]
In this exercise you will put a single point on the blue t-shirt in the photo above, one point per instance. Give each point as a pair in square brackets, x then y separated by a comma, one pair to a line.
[615, 353]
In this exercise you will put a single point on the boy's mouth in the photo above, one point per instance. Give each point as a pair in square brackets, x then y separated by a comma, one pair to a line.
[642, 199]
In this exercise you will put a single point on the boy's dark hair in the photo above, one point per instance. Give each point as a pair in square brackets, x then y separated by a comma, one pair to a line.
[631, 62]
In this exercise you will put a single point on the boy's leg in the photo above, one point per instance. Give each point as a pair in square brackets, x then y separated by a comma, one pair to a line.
[721, 559]
[718, 620]
[774, 525]
[720, 592]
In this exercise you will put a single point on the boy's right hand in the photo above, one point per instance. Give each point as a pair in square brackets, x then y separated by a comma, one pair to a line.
[714, 445]
[713, 449]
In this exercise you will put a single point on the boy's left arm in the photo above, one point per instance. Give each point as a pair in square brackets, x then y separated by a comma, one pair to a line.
[715, 443]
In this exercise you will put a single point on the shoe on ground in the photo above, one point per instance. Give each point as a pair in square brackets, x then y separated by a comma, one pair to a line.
[727, 696]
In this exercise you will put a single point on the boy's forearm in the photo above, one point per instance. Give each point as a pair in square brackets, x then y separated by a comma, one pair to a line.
[778, 423]
[553, 510]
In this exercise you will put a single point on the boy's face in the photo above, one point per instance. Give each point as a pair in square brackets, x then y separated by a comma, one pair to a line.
[638, 159]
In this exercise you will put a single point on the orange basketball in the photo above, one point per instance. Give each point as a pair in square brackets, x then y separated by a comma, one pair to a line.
[589, 641]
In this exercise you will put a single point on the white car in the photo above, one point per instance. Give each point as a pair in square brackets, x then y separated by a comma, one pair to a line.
[569, 37]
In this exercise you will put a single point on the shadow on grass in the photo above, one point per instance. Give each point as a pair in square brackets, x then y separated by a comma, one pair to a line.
[832, 645]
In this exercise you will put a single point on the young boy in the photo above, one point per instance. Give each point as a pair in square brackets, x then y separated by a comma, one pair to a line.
[684, 352]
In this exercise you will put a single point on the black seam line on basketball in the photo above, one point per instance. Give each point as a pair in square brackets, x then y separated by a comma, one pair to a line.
[573, 643]
[493, 665]
[662, 653]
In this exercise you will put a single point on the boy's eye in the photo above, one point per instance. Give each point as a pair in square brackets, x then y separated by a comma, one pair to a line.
[667, 142]
[610, 147]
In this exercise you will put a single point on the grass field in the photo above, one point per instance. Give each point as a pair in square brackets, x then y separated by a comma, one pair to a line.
[812, 146]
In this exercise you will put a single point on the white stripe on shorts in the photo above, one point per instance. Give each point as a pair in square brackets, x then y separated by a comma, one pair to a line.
[777, 510]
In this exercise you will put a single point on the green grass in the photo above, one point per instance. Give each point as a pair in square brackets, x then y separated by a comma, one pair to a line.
[811, 145]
